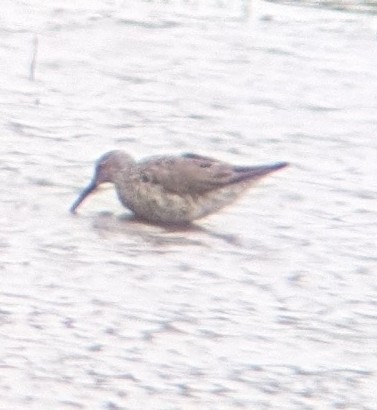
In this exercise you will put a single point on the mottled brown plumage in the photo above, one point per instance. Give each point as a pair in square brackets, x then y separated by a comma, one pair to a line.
[174, 189]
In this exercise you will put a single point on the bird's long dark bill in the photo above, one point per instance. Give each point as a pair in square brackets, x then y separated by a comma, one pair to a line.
[255, 173]
[86, 192]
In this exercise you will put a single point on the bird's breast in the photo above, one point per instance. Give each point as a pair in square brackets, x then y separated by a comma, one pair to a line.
[152, 202]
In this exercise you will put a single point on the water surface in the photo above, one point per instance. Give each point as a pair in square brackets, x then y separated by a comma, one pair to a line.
[270, 304]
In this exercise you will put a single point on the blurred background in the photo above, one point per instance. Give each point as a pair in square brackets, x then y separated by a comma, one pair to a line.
[270, 304]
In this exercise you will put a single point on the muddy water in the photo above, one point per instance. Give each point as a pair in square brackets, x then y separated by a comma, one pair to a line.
[270, 304]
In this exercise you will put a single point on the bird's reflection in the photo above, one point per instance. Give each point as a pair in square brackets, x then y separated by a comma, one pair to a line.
[108, 224]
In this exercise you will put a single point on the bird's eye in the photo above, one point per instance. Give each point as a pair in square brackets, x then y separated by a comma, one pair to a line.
[205, 165]
[144, 178]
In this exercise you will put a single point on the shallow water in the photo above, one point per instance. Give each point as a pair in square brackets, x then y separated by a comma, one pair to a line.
[270, 304]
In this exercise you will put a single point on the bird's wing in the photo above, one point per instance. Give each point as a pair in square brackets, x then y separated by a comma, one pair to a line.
[195, 174]
[189, 173]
